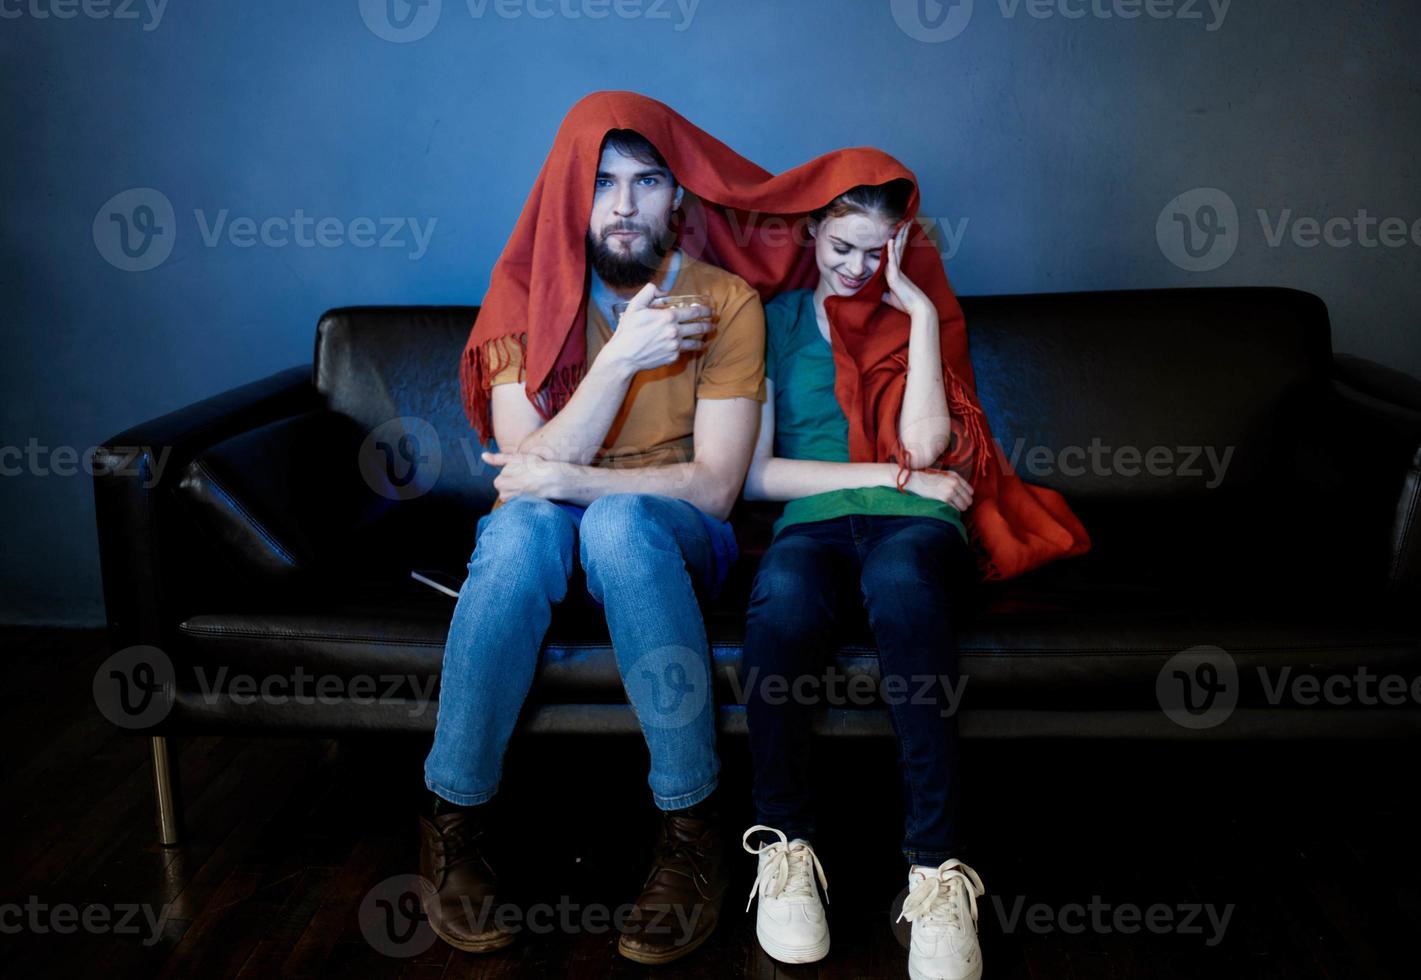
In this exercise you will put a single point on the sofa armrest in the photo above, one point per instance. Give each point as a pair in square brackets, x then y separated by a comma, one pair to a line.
[1405, 577]
[1389, 385]
[284, 503]
[141, 533]
[1381, 409]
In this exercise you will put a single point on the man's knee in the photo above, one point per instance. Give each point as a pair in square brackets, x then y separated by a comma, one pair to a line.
[621, 523]
[527, 529]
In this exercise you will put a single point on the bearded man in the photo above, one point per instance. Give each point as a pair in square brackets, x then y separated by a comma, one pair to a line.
[628, 479]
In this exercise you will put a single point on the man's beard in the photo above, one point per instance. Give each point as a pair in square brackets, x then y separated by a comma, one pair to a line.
[627, 269]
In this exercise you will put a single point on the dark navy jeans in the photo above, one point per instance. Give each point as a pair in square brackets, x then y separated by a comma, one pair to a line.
[913, 576]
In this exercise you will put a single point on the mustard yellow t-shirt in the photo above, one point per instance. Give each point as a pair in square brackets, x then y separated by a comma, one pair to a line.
[655, 423]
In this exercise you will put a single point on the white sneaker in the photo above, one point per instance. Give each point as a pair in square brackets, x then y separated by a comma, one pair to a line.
[790, 922]
[942, 906]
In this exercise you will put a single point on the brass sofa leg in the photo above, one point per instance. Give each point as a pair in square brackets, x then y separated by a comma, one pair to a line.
[164, 791]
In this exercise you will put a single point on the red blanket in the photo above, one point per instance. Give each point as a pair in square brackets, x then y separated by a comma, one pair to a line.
[746, 220]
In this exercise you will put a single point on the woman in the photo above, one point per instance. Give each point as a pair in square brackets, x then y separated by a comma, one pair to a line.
[849, 537]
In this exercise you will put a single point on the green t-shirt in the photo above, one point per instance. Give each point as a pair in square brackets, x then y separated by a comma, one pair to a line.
[809, 424]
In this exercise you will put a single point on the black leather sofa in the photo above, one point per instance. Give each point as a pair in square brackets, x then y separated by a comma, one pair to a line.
[270, 530]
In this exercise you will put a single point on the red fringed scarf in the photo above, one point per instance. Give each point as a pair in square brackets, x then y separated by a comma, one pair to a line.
[750, 222]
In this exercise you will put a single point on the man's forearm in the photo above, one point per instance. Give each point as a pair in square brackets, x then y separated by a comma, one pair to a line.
[692, 482]
[577, 432]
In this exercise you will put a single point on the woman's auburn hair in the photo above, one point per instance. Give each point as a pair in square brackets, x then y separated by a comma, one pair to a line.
[889, 200]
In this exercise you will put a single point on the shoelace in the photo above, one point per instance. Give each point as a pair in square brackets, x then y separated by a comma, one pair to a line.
[459, 845]
[935, 898]
[677, 856]
[788, 868]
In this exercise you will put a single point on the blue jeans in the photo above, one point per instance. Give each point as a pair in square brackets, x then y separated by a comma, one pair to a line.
[910, 575]
[649, 560]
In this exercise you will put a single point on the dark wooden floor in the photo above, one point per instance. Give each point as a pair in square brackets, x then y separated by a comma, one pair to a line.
[1313, 845]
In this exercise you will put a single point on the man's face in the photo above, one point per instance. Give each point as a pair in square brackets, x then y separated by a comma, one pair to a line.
[630, 227]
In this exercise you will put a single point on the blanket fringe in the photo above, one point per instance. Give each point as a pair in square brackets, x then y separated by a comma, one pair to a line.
[480, 365]
[966, 413]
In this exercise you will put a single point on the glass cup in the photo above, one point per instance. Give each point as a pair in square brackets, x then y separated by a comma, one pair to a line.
[675, 301]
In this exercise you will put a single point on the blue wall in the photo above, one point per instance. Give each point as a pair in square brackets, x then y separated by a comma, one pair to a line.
[1059, 139]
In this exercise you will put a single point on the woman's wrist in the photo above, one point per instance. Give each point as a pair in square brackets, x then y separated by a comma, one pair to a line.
[923, 318]
[890, 474]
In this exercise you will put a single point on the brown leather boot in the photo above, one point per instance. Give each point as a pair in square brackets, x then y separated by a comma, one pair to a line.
[679, 904]
[458, 887]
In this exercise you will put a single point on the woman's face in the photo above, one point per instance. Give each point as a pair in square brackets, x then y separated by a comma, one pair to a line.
[848, 250]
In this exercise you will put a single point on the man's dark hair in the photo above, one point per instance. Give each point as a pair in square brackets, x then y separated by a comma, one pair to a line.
[630, 143]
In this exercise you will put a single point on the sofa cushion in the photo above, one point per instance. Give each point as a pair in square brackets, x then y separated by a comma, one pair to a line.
[1030, 643]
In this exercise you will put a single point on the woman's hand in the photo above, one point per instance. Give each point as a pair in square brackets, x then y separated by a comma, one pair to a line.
[945, 486]
[904, 294]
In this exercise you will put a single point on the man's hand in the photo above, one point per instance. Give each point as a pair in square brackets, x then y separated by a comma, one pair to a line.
[650, 337]
[947, 487]
[526, 475]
